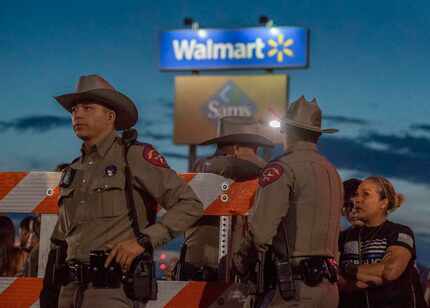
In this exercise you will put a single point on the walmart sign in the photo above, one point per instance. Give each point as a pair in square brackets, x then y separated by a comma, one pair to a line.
[205, 49]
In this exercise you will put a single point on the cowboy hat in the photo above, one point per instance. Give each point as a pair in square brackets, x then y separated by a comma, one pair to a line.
[306, 115]
[95, 88]
[240, 130]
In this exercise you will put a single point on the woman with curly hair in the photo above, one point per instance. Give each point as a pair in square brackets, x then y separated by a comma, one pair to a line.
[377, 259]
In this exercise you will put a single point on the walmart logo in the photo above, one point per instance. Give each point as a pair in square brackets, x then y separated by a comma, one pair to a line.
[193, 50]
[259, 47]
[280, 47]
[210, 50]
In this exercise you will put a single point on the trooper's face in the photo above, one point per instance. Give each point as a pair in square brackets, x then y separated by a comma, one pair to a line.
[91, 120]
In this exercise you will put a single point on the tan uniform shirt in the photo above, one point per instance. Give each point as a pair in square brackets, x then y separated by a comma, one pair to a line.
[203, 240]
[93, 209]
[304, 187]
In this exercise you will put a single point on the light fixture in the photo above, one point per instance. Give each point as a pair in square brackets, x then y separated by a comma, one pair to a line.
[265, 21]
[274, 31]
[188, 21]
[202, 33]
[275, 123]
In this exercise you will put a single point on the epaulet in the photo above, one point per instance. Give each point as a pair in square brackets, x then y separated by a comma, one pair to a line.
[73, 161]
[151, 155]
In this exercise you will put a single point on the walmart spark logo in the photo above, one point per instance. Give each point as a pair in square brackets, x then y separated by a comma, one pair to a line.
[280, 47]
[260, 47]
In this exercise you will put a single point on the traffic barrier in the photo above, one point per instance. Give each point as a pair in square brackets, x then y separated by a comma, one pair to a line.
[37, 193]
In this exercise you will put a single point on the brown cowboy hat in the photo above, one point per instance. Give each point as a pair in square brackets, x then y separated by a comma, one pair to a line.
[95, 88]
[240, 130]
[306, 115]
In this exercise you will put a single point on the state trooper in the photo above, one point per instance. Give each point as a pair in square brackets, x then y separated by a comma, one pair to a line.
[94, 217]
[237, 140]
[296, 214]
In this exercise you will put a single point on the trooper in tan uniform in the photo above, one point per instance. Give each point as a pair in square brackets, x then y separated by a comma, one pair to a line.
[236, 158]
[93, 207]
[301, 191]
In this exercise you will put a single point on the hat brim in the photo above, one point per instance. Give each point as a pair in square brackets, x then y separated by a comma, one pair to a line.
[311, 128]
[126, 111]
[240, 139]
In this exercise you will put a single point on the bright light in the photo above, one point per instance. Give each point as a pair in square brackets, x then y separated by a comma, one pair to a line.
[274, 31]
[163, 266]
[275, 123]
[202, 33]
[163, 256]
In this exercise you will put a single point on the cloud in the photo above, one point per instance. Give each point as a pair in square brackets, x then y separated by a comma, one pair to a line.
[415, 146]
[412, 165]
[346, 120]
[37, 123]
[424, 127]
[26, 163]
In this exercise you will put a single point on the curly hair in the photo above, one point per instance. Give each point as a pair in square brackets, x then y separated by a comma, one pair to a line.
[387, 191]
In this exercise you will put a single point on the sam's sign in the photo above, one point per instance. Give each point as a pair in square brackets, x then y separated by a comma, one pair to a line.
[207, 49]
[201, 100]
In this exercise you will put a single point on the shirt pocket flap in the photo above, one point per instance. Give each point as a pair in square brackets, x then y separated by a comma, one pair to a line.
[109, 197]
[109, 183]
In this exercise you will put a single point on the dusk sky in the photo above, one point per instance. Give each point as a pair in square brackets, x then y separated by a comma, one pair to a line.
[369, 64]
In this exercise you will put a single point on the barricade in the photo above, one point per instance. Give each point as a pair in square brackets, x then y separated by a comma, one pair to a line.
[37, 193]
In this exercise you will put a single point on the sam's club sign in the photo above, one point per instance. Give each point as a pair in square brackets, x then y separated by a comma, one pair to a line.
[205, 49]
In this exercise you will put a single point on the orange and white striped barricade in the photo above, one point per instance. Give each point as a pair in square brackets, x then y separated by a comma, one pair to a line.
[37, 193]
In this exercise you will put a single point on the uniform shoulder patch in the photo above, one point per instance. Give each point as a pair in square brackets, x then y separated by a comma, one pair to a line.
[151, 155]
[271, 173]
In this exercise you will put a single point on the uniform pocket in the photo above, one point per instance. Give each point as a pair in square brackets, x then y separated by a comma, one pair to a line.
[109, 197]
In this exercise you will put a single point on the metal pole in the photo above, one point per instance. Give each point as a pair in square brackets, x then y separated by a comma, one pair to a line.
[192, 156]
[192, 150]
[224, 252]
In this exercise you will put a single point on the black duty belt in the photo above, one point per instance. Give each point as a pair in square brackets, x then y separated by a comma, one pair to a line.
[198, 273]
[102, 277]
[78, 272]
[313, 270]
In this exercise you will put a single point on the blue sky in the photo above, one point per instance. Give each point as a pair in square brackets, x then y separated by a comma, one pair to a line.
[368, 69]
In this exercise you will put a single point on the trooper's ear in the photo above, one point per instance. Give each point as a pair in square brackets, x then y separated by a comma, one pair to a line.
[112, 115]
